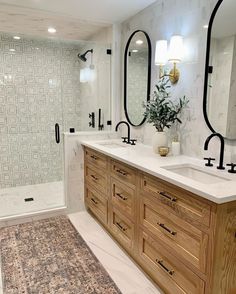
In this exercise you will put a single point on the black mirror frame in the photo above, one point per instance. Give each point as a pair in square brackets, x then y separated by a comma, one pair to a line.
[125, 74]
[207, 66]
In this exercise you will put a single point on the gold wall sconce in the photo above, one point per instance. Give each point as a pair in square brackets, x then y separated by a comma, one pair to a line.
[174, 55]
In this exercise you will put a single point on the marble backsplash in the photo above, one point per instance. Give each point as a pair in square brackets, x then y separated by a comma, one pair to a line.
[186, 17]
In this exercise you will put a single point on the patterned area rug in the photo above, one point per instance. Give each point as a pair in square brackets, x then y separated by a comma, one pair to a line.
[50, 257]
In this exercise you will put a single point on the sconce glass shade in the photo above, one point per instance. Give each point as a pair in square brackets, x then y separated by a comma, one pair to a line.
[176, 49]
[161, 52]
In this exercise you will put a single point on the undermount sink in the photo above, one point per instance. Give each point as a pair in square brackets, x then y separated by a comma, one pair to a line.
[196, 173]
[112, 144]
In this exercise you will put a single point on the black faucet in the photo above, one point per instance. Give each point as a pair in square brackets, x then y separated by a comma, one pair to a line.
[222, 148]
[128, 126]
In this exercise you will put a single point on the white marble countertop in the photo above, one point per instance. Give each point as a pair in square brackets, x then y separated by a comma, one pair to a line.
[143, 158]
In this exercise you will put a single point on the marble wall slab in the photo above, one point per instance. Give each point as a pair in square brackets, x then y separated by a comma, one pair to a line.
[186, 17]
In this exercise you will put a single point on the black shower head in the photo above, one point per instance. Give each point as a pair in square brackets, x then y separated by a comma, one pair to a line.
[82, 57]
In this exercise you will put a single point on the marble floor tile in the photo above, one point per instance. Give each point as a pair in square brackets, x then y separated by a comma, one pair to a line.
[125, 273]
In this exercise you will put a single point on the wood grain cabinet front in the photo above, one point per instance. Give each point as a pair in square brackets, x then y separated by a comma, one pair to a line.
[187, 242]
[123, 173]
[96, 158]
[174, 277]
[122, 228]
[184, 242]
[97, 178]
[178, 201]
[123, 197]
[96, 203]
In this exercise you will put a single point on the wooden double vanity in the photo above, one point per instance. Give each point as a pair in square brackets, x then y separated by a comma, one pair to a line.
[185, 243]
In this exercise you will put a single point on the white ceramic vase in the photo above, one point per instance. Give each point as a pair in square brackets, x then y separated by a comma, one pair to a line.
[159, 139]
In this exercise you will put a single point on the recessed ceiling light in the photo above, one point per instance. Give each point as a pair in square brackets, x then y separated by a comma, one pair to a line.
[135, 51]
[139, 42]
[12, 50]
[16, 38]
[52, 30]
[205, 26]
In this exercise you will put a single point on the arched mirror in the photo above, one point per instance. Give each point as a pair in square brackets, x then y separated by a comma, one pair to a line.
[137, 76]
[220, 76]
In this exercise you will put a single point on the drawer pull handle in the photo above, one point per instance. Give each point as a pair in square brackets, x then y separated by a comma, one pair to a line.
[94, 178]
[163, 194]
[121, 227]
[167, 229]
[121, 197]
[94, 201]
[160, 262]
[94, 157]
[122, 172]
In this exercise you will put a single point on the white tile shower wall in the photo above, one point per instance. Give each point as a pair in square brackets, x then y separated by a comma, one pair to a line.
[39, 86]
[97, 93]
[186, 17]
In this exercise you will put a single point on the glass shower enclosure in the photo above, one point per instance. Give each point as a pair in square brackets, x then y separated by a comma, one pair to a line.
[40, 90]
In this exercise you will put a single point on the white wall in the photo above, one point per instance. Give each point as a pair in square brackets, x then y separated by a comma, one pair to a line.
[186, 17]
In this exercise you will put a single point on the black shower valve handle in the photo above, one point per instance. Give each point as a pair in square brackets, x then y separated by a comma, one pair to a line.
[233, 166]
[209, 160]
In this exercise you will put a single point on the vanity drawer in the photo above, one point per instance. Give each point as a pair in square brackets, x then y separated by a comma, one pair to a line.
[123, 173]
[177, 200]
[173, 276]
[96, 158]
[122, 228]
[190, 243]
[97, 204]
[123, 197]
[96, 178]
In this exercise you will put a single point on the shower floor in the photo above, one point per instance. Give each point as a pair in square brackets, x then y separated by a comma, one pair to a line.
[45, 196]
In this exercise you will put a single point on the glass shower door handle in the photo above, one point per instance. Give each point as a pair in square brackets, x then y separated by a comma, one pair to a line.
[57, 133]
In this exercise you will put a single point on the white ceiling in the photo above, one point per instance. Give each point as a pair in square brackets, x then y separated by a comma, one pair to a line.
[31, 22]
[108, 11]
[73, 19]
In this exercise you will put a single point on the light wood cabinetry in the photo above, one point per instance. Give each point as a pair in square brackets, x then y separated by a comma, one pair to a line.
[122, 228]
[97, 203]
[186, 244]
[183, 239]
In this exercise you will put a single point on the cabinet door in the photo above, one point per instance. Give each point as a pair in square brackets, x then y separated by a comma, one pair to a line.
[96, 178]
[190, 243]
[178, 201]
[123, 197]
[96, 158]
[97, 203]
[122, 228]
[173, 276]
[123, 173]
